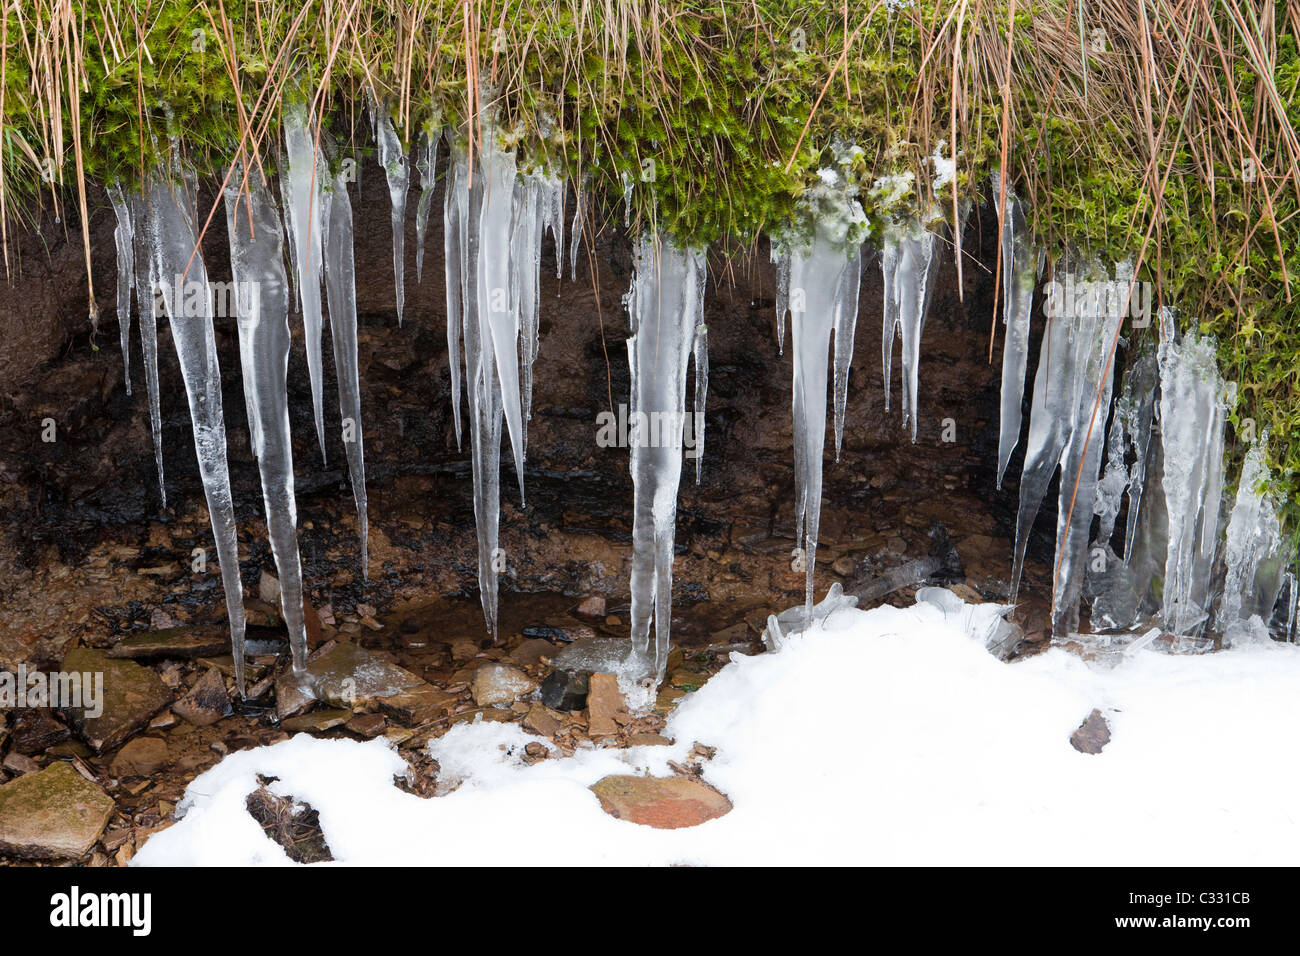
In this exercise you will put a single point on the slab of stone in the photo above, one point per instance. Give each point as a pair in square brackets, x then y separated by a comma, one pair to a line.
[565, 690]
[317, 720]
[500, 684]
[540, 719]
[531, 652]
[54, 814]
[1092, 735]
[206, 702]
[666, 803]
[367, 725]
[131, 695]
[140, 757]
[37, 730]
[17, 764]
[348, 675]
[179, 642]
[604, 703]
[419, 705]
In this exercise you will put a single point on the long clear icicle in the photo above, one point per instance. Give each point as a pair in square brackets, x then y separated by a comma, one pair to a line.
[1021, 263]
[124, 239]
[173, 243]
[908, 263]
[455, 246]
[341, 289]
[539, 206]
[1194, 403]
[304, 190]
[142, 258]
[393, 158]
[579, 222]
[1072, 369]
[262, 293]
[426, 161]
[665, 306]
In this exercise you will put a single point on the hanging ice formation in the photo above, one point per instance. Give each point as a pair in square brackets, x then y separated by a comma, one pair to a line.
[1021, 266]
[818, 277]
[579, 223]
[492, 231]
[124, 239]
[1194, 403]
[393, 158]
[1067, 420]
[303, 188]
[341, 292]
[426, 161]
[909, 261]
[176, 269]
[666, 311]
[1252, 553]
[257, 266]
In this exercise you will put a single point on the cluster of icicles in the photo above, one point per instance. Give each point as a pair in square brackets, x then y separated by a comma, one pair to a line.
[494, 218]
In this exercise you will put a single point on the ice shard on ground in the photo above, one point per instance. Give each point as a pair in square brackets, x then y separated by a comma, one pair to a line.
[177, 270]
[665, 307]
[262, 292]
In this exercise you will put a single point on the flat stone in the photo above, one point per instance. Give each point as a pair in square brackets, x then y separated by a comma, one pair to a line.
[54, 814]
[667, 803]
[604, 702]
[37, 730]
[531, 652]
[500, 684]
[540, 719]
[317, 720]
[367, 725]
[593, 607]
[1092, 735]
[181, 642]
[348, 675]
[290, 699]
[565, 690]
[18, 765]
[140, 757]
[419, 705]
[648, 740]
[206, 702]
[132, 694]
[225, 663]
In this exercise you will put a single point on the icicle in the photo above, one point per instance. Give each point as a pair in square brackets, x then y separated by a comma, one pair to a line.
[495, 301]
[535, 202]
[664, 305]
[455, 245]
[426, 161]
[783, 306]
[1063, 431]
[187, 298]
[393, 158]
[696, 445]
[1194, 402]
[908, 265]
[341, 289]
[1021, 265]
[304, 192]
[1253, 552]
[627, 200]
[1293, 603]
[142, 258]
[846, 320]
[257, 266]
[579, 221]
[124, 238]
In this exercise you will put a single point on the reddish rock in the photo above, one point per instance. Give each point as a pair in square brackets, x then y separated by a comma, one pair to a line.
[207, 702]
[667, 803]
[604, 705]
[139, 758]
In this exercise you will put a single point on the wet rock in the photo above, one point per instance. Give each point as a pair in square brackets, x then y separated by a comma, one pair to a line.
[348, 675]
[18, 765]
[290, 699]
[181, 642]
[1092, 735]
[500, 684]
[542, 720]
[367, 725]
[565, 690]
[604, 702]
[593, 607]
[36, 730]
[667, 803]
[131, 695]
[206, 702]
[53, 814]
[140, 757]
[531, 652]
[319, 720]
[419, 705]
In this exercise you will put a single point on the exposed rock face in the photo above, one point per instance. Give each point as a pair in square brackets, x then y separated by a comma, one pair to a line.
[667, 803]
[51, 815]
